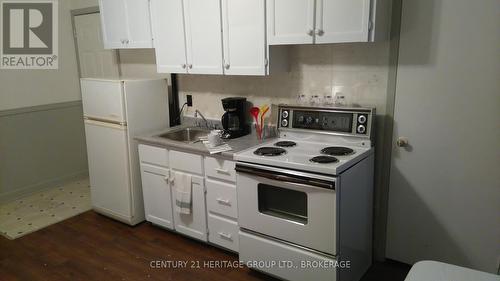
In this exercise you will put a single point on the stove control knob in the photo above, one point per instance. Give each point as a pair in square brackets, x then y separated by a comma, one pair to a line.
[285, 114]
[362, 119]
[309, 120]
[284, 123]
[361, 129]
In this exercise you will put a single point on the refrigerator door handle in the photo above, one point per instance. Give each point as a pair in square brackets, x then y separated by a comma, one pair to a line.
[112, 125]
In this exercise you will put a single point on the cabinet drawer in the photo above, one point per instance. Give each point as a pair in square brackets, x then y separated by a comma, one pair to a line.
[153, 155]
[223, 232]
[187, 162]
[221, 198]
[220, 169]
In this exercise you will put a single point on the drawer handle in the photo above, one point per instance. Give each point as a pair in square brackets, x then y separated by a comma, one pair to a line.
[222, 171]
[224, 201]
[225, 235]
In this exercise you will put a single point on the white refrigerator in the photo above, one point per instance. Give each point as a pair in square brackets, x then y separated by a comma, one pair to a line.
[114, 112]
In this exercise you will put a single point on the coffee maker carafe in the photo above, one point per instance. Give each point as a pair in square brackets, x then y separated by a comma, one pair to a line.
[234, 120]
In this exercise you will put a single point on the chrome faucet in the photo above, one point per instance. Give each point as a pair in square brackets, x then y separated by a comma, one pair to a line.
[196, 113]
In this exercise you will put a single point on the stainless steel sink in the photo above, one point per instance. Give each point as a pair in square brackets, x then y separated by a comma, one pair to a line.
[188, 135]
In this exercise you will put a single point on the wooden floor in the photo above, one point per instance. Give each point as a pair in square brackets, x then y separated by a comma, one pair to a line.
[93, 247]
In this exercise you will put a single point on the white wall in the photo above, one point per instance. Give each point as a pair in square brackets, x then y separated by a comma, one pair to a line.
[24, 88]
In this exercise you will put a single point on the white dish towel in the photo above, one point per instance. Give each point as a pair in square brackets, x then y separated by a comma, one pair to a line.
[182, 188]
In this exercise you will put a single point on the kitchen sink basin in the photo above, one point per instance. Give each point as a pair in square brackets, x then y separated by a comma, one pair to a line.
[188, 135]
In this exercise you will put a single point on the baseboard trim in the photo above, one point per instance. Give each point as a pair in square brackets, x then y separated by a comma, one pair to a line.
[37, 108]
[41, 186]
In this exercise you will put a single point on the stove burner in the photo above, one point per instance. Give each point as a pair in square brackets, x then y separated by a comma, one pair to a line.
[337, 151]
[285, 144]
[269, 151]
[324, 159]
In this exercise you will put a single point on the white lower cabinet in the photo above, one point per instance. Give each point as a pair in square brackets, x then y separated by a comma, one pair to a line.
[195, 223]
[157, 195]
[213, 216]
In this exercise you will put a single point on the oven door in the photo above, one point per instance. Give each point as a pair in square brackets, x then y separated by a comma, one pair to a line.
[297, 207]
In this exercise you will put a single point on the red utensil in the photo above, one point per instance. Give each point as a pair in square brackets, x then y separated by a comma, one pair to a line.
[255, 113]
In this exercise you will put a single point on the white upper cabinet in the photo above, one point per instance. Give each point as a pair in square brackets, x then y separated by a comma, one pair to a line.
[203, 36]
[187, 36]
[126, 24]
[244, 35]
[340, 21]
[169, 36]
[327, 21]
[290, 21]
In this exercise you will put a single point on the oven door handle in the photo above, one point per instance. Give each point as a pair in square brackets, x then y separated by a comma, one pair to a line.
[286, 178]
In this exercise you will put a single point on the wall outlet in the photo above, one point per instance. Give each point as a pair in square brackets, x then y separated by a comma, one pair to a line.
[189, 100]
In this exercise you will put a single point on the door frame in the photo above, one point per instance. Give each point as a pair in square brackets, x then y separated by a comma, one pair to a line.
[82, 12]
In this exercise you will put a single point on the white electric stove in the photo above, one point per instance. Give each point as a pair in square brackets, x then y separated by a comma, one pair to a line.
[306, 197]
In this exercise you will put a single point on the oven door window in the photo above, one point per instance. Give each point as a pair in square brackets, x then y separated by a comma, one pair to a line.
[283, 203]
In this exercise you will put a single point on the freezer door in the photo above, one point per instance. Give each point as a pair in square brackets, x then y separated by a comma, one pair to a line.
[107, 149]
[103, 100]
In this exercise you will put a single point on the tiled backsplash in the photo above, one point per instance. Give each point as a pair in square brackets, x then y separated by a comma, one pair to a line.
[360, 70]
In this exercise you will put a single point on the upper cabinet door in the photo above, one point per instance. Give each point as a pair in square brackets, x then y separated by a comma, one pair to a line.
[290, 21]
[339, 21]
[126, 24]
[203, 36]
[139, 24]
[168, 33]
[114, 23]
[244, 35]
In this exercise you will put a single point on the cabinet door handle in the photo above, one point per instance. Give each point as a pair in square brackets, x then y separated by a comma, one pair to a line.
[190, 66]
[310, 32]
[225, 235]
[226, 66]
[222, 171]
[183, 66]
[224, 201]
[320, 32]
[166, 178]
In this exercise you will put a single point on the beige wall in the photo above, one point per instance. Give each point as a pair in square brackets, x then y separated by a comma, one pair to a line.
[361, 69]
[139, 63]
[78, 4]
[23, 88]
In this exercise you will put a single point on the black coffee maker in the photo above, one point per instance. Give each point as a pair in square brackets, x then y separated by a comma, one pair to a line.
[234, 120]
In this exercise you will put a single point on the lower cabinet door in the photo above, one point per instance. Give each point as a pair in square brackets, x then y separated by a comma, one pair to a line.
[195, 223]
[223, 232]
[157, 195]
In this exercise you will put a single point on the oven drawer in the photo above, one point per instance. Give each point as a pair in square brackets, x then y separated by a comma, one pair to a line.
[221, 198]
[223, 232]
[220, 169]
[255, 250]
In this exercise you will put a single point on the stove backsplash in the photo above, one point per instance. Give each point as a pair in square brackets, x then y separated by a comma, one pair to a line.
[359, 71]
